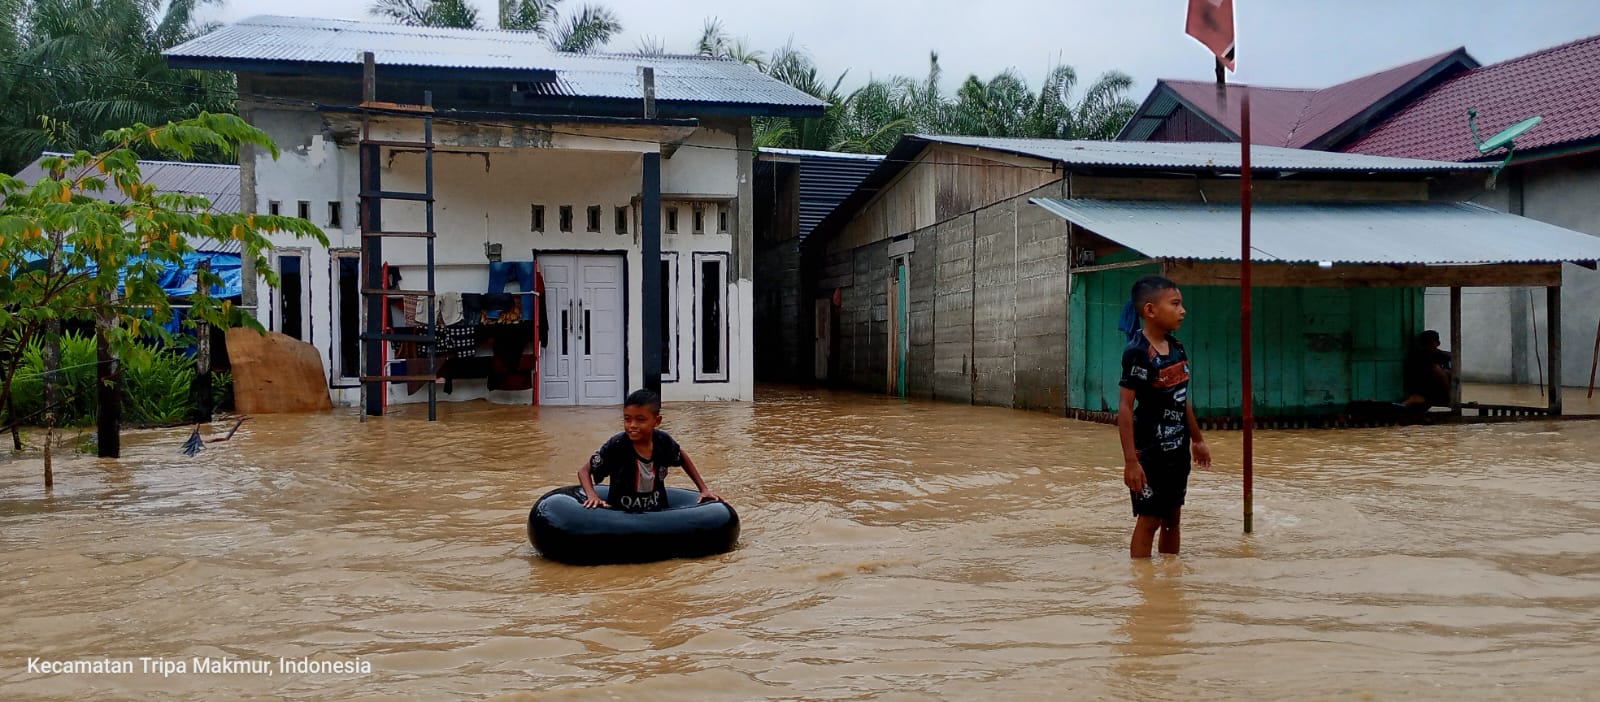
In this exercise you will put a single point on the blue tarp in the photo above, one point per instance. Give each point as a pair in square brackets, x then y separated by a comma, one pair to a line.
[183, 282]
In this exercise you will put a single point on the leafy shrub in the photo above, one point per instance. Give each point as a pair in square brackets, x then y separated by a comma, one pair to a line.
[155, 385]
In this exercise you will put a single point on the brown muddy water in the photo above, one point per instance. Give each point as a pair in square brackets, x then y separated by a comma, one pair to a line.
[891, 550]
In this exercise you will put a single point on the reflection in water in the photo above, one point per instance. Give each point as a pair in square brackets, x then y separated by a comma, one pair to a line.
[889, 548]
[1156, 625]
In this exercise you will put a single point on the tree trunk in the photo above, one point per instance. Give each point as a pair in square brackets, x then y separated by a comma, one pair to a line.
[200, 388]
[16, 435]
[108, 389]
[52, 392]
[52, 366]
[49, 438]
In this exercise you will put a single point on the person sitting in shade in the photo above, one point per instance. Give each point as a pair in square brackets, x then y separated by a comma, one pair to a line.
[1427, 372]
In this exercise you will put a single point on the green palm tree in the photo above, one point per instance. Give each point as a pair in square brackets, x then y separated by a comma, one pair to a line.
[794, 66]
[589, 30]
[428, 13]
[76, 68]
[536, 16]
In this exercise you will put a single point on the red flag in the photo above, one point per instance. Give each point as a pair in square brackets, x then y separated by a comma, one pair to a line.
[1211, 22]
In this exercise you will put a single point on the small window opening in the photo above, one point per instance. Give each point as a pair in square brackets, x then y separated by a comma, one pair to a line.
[566, 218]
[594, 218]
[538, 218]
[622, 220]
[335, 214]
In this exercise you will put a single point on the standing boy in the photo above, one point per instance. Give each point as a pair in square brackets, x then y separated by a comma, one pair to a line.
[637, 460]
[1155, 420]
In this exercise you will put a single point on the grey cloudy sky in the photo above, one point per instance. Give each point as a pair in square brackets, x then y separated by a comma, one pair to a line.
[1295, 43]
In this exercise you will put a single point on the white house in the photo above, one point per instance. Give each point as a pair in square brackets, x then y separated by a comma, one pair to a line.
[538, 155]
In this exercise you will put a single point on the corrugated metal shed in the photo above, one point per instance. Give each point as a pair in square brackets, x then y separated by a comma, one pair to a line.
[1215, 157]
[256, 42]
[218, 182]
[1398, 233]
[1205, 158]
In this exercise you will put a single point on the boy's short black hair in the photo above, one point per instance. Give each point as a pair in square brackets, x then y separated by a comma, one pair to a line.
[1428, 337]
[1146, 288]
[643, 398]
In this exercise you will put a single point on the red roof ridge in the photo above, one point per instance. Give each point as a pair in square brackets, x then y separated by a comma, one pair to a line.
[1251, 86]
[1298, 117]
[1435, 58]
[1541, 52]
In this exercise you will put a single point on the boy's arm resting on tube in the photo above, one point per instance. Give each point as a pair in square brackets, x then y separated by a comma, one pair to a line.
[1132, 472]
[1197, 444]
[694, 474]
[591, 499]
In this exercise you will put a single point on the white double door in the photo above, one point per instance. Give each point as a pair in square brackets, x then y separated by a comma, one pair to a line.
[584, 363]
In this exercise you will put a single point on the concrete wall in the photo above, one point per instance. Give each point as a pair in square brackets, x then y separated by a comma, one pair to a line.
[489, 196]
[987, 308]
[1504, 330]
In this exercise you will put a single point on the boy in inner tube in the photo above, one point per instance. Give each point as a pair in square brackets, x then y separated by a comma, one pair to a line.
[637, 460]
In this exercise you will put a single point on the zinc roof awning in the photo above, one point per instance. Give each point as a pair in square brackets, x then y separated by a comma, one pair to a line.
[1387, 232]
[1396, 236]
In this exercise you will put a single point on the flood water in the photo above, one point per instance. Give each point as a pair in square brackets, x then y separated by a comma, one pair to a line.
[891, 550]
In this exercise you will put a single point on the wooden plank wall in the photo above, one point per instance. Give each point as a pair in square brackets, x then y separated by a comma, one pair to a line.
[944, 182]
[988, 308]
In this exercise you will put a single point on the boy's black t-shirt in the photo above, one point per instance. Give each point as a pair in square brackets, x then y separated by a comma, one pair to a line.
[637, 484]
[1160, 386]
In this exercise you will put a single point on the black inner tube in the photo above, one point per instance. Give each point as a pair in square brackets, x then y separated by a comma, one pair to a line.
[563, 530]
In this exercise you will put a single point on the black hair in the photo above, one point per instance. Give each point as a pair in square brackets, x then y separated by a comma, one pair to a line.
[1146, 288]
[643, 398]
[1428, 337]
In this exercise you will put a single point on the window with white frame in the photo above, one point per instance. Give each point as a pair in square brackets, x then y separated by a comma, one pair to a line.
[710, 317]
[669, 317]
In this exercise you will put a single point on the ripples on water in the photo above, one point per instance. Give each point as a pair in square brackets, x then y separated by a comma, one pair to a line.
[890, 550]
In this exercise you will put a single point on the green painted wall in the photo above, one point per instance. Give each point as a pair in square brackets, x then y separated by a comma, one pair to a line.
[1315, 349]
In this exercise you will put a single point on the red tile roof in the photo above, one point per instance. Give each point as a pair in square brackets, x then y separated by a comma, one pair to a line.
[1296, 118]
[1561, 83]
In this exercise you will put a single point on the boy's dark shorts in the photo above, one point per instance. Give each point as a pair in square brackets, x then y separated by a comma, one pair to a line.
[1167, 474]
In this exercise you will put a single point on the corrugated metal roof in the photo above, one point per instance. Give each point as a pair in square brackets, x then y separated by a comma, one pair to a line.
[825, 181]
[1558, 84]
[1204, 156]
[1398, 233]
[218, 182]
[303, 40]
[836, 155]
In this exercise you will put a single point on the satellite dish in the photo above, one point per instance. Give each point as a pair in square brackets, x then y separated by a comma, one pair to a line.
[1502, 140]
[1506, 135]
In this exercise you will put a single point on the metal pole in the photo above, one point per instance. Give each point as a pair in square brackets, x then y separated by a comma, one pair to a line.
[1244, 310]
[371, 246]
[433, 317]
[650, 275]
